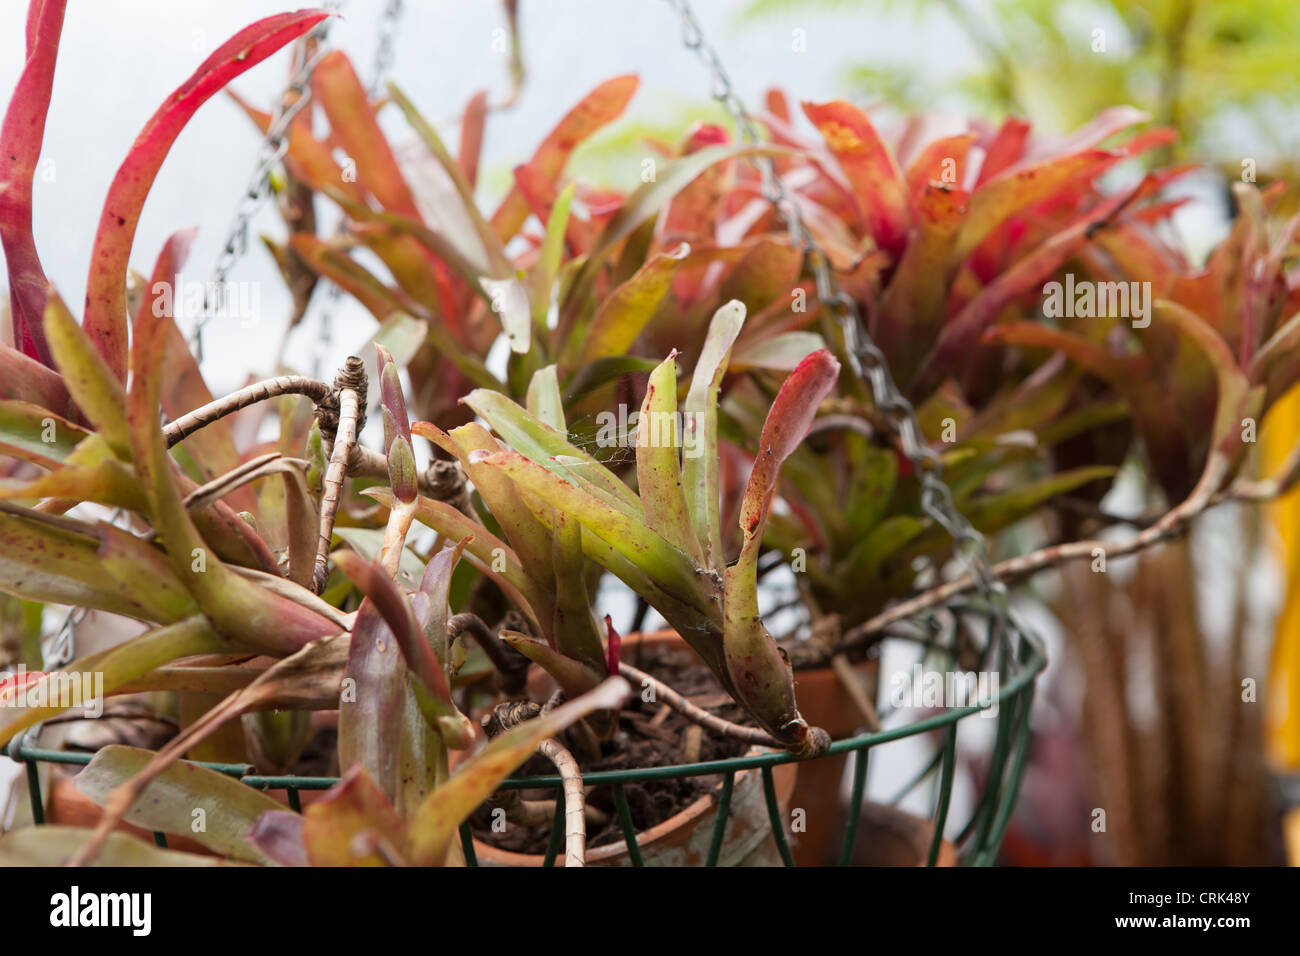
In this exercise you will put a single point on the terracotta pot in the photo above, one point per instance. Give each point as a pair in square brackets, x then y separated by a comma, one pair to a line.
[888, 836]
[819, 792]
[683, 839]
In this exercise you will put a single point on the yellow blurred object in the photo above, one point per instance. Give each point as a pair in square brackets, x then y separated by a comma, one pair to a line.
[1291, 836]
[1282, 697]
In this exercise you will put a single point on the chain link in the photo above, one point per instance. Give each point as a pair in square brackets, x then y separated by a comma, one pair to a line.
[383, 62]
[866, 357]
[379, 72]
[275, 144]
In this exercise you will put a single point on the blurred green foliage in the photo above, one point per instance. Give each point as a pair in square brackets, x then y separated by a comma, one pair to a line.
[1226, 74]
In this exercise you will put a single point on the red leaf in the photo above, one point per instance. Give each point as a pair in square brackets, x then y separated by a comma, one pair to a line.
[615, 645]
[1005, 150]
[20, 139]
[105, 316]
[471, 136]
[787, 423]
[878, 186]
[12, 687]
[356, 130]
[27, 380]
[602, 105]
[933, 165]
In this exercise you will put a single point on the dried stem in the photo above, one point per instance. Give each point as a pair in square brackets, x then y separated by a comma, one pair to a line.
[349, 407]
[698, 715]
[400, 517]
[215, 410]
[575, 820]
[844, 671]
[509, 663]
[512, 713]
[1174, 523]
[443, 481]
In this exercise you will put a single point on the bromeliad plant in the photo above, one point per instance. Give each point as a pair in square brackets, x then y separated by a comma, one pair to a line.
[665, 541]
[201, 578]
[935, 241]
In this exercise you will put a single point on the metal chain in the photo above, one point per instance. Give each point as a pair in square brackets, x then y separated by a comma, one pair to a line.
[381, 67]
[275, 144]
[383, 62]
[867, 358]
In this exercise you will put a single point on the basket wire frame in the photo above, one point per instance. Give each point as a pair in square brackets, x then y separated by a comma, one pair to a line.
[978, 840]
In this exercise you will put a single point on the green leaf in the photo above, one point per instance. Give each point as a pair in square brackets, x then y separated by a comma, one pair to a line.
[530, 539]
[665, 564]
[118, 666]
[990, 513]
[168, 803]
[256, 617]
[56, 561]
[588, 378]
[626, 311]
[781, 352]
[485, 551]
[641, 206]
[25, 428]
[575, 631]
[551, 450]
[55, 845]
[544, 401]
[90, 381]
[864, 562]
[700, 476]
[91, 473]
[550, 256]
[760, 675]
[658, 461]
[574, 676]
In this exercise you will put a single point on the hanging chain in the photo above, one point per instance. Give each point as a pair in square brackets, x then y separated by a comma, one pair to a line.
[867, 358]
[383, 62]
[275, 144]
[381, 67]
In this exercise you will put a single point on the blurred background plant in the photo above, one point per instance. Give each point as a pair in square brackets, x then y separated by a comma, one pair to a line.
[1224, 76]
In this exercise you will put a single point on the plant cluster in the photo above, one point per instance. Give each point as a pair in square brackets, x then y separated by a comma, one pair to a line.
[312, 592]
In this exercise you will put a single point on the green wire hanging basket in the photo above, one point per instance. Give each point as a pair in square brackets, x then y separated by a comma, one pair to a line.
[1019, 660]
